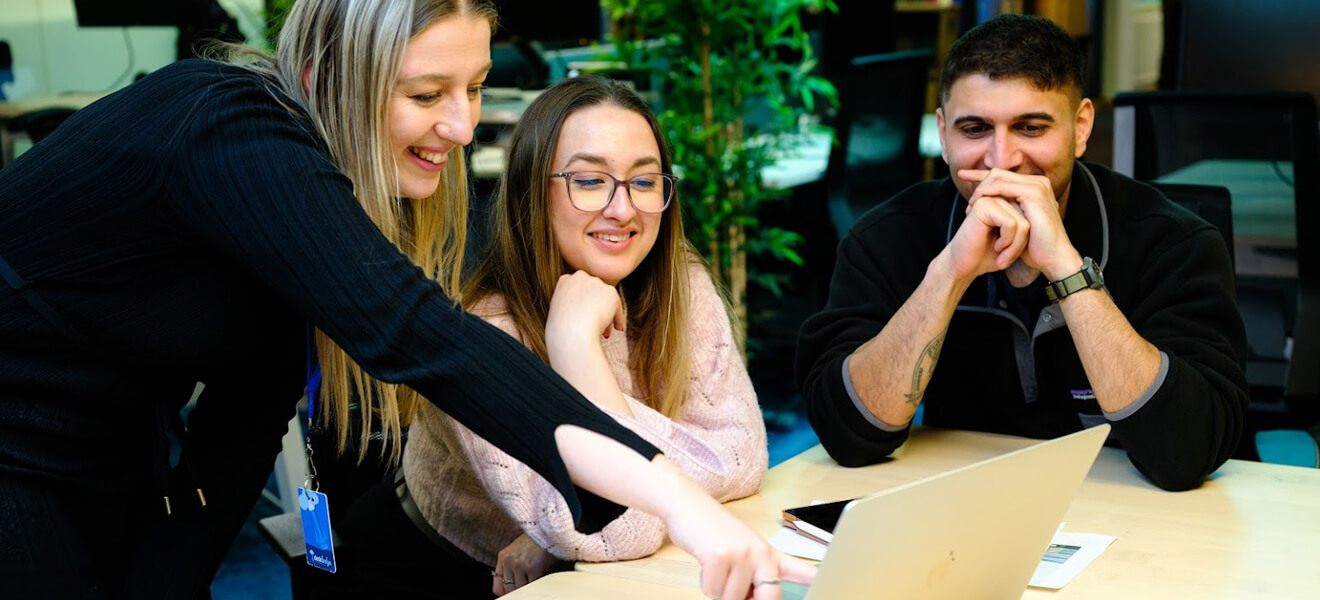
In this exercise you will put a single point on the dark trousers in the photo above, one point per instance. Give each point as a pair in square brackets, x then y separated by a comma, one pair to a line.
[385, 555]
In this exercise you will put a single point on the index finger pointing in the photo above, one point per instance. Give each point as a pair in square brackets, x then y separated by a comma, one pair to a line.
[796, 571]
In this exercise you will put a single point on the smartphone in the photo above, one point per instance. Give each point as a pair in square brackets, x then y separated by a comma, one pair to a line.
[816, 521]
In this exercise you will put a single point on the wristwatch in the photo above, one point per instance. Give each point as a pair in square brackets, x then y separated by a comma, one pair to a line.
[1089, 277]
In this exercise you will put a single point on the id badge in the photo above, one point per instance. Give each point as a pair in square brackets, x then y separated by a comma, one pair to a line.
[315, 509]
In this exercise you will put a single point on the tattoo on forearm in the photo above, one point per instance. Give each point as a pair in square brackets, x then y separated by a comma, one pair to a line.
[924, 367]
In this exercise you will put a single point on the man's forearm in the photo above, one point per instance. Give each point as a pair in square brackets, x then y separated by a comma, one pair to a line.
[890, 372]
[1120, 364]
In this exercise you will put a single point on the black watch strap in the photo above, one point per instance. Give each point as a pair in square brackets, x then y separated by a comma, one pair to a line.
[1089, 277]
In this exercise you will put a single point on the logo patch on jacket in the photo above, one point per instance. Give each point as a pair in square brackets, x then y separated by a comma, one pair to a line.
[1082, 394]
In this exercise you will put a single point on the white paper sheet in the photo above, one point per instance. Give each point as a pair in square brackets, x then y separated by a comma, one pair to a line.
[791, 542]
[1068, 554]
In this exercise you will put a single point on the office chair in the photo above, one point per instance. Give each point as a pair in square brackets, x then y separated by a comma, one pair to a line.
[1211, 202]
[877, 132]
[1214, 204]
[1262, 146]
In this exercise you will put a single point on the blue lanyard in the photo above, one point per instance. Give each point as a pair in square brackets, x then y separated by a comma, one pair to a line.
[313, 379]
[313, 383]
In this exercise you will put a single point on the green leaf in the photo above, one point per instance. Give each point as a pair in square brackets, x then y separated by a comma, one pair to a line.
[720, 163]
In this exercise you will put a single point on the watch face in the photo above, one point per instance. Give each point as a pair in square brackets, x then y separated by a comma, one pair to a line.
[1093, 273]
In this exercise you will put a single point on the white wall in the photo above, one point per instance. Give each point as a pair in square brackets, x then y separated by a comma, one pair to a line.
[1133, 44]
[53, 56]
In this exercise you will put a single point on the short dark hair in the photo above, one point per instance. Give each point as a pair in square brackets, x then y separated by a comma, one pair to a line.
[1012, 46]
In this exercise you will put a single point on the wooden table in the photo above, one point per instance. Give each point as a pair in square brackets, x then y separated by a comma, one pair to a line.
[1252, 531]
[573, 585]
[13, 108]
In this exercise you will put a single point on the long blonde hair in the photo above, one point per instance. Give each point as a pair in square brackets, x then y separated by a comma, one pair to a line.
[337, 61]
[523, 263]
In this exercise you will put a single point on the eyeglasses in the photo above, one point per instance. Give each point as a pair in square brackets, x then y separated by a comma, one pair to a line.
[590, 191]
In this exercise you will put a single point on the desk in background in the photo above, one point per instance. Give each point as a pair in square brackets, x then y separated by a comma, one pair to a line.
[504, 106]
[14, 108]
[1264, 210]
[1252, 531]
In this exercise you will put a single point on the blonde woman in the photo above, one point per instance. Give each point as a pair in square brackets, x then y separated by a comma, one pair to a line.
[589, 267]
[196, 226]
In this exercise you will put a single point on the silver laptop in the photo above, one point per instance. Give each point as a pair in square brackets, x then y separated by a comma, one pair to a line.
[975, 532]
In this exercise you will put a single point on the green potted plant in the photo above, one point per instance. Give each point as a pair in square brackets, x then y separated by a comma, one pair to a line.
[276, 10]
[714, 63]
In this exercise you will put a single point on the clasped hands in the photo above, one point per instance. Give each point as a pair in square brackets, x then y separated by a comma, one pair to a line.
[1013, 224]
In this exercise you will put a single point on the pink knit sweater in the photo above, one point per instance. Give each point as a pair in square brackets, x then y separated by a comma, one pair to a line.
[479, 498]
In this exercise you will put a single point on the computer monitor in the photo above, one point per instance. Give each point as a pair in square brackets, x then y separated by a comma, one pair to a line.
[528, 29]
[200, 22]
[128, 13]
[1250, 44]
[550, 25]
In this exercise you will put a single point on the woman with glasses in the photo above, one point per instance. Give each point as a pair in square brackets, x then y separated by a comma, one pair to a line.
[588, 266]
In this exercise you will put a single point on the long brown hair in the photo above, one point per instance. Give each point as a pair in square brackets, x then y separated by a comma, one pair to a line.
[348, 54]
[523, 263]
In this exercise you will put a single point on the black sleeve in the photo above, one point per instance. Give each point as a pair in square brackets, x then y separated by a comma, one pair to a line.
[868, 286]
[252, 185]
[1194, 422]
